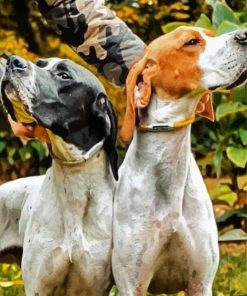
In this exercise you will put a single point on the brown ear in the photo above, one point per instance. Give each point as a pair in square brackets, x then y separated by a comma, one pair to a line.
[137, 95]
[204, 107]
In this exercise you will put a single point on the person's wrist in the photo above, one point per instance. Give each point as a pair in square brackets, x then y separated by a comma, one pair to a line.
[20, 130]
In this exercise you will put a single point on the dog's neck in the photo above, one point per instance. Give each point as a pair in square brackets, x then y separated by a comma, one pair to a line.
[168, 153]
[69, 190]
[67, 152]
[170, 111]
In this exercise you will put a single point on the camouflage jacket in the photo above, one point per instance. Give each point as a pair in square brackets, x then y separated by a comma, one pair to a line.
[96, 34]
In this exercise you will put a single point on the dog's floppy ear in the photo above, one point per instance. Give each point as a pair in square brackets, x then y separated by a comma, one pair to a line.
[138, 93]
[103, 110]
[204, 107]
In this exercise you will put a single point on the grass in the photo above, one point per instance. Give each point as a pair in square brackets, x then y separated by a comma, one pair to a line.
[231, 279]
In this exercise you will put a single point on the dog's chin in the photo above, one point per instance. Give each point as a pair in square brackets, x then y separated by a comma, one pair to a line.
[241, 79]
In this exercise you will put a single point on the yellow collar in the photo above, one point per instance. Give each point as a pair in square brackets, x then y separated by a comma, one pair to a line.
[86, 156]
[165, 127]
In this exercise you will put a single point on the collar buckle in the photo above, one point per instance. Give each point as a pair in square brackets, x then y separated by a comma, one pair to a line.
[165, 127]
[86, 156]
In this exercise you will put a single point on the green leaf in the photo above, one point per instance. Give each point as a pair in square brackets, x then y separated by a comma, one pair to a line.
[3, 145]
[6, 284]
[3, 134]
[173, 25]
[222, 12]
[243, 136]
[217, 159]
[25, 153]
[238, 213]
[243, 15]
[39, 148]
[240, 281]
[223, 192]
[211, 2]
[11, 152]
[237, 155]
[226, 27]
[233, 235]
[203, 22]
[225, 109]
[239, 93]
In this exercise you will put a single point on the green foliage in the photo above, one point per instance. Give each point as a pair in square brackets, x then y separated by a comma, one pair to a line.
[238, 156]
[146, 18]
[222, 12]
[10, 280]
[203, 22]
[231, 276]
[174, 25]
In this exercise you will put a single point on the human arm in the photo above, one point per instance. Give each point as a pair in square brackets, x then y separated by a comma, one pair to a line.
[96, 34]
[28, 131]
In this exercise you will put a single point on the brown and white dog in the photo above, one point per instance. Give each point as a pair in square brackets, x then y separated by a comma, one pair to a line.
[165, 235]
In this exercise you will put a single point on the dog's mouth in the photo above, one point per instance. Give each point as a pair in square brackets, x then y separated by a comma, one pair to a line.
[14, 102]
[241, 79]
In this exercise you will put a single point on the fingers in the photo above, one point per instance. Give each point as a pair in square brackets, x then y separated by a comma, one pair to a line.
[41, 134]
[22, 131]
[28, 131]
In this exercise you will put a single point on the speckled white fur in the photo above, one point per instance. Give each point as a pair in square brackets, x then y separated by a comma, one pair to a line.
[223, 60]
[164, 227]
[164, 232]
[64, 222]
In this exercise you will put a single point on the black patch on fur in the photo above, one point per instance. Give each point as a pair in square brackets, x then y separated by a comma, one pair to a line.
[106, 117]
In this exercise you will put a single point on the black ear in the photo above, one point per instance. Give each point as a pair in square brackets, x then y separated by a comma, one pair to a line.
[103, 110]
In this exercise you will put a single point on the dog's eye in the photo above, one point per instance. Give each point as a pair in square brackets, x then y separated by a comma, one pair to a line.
[64, 75]
[193, 41]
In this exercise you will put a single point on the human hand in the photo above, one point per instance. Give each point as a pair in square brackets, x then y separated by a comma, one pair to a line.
[28, 131]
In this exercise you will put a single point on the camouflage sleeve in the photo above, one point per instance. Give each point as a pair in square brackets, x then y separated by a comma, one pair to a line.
[96, 34]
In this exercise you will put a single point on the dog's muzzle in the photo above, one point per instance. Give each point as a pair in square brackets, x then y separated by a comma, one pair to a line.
[13, 90]
[16, 63]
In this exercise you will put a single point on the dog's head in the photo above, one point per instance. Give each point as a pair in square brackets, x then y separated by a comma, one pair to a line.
[63, 97]
[184, 61]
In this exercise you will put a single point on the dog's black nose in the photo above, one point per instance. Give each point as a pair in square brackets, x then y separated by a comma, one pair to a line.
[16, 63]
[241, 37]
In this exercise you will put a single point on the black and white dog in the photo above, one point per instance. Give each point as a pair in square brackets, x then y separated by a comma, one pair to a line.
[63, 220]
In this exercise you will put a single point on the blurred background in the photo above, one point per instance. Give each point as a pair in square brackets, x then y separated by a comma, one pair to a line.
[219, 147]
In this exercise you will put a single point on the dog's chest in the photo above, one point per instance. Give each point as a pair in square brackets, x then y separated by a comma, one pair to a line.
[69, 226]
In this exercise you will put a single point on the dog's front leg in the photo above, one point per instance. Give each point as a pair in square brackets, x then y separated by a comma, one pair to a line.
[135, 253]
[199, 290]
[130, 279]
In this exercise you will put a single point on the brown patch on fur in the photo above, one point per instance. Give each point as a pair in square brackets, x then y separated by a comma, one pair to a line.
[169, 65]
